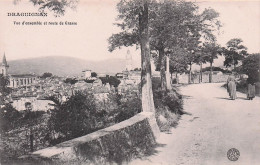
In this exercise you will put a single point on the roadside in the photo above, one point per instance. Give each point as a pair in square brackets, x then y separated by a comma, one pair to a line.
[216, 125]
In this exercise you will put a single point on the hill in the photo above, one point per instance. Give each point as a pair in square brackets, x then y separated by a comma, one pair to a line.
[64, 66]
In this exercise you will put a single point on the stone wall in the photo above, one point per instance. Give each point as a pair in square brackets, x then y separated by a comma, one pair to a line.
[216, 78]
[116, 144]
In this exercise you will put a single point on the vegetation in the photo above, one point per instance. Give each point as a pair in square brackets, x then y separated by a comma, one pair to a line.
[74, 117]
[210, 52]
[234, 52]
[134, 17]
[112, 80]
[251, 66]
[215, 69]
[57, 7]
[47, 74]
[93, 74]
[4, 90]
[71, 80]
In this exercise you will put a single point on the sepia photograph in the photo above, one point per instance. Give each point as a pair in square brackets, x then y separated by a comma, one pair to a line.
[129, 82]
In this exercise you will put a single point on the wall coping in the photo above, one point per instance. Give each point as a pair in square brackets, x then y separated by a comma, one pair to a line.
[67, 146]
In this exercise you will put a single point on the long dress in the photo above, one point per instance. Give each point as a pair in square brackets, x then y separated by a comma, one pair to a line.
[231, 86]
[251, 91]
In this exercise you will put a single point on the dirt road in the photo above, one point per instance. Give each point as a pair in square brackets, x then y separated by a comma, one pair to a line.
[216, 125]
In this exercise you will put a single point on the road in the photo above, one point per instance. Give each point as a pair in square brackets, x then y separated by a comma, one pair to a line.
[216, 125]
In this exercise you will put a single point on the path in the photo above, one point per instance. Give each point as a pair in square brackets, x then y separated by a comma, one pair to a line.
[216, 125]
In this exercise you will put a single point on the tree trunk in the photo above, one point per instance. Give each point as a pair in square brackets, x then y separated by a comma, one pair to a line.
[210, 74]
[200, 77]
[177, 78]
[146, 82]
[189, 80]
[162, 70]
[167, 74]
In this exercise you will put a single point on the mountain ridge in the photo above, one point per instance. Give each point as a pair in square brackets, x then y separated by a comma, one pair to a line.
[64, 66]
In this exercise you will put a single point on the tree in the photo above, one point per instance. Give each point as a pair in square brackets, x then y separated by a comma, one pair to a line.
[93, 74]
[251, 66]
[46, 74]
[75, 117]
[168, 28]
[4, 90]
[211, 50]
[134, 16]
[234, 52]
[8, 117]
[58, 7]
[178, 62]
[71, 80]
[112, 80]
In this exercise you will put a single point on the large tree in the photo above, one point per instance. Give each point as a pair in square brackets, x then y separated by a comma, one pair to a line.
[234, 52]
[171, 20]
[178, 61]
[211, 50]
[134, 17]
[251, 67]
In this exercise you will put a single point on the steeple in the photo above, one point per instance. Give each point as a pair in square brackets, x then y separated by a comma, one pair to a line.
[4, 66]
[4, 62]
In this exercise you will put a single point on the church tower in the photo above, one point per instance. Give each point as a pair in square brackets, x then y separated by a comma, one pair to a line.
[4, 66]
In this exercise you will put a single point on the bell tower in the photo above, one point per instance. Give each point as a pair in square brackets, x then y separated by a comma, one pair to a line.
[4, 66]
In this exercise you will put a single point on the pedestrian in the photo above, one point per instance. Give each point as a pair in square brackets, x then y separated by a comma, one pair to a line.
[250, 89]
[231, 86]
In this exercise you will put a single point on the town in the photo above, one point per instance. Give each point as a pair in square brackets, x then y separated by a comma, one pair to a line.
[133, 82]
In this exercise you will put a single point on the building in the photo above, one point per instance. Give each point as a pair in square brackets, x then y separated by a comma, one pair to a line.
[4, 67]
[86, 74]
[22, 80]
[16, 81]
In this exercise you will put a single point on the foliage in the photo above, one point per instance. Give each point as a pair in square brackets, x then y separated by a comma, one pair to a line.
[216, 69]
[12, 119]
[251, 66]
[8, 117]
[178, 62]
[47, 74]
[128, 107]
[4, 90]
[112, 80]
[71, 80]
[74, 117]
[89, 81]
[93, 74]
[234, 52]
[210, 51]
[137, 69]
[168, 106]
[58, 7]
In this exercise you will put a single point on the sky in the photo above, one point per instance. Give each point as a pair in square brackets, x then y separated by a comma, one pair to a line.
[88, 39]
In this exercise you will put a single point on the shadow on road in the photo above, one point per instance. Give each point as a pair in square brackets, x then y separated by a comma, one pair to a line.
[186, 97]
[225, 98]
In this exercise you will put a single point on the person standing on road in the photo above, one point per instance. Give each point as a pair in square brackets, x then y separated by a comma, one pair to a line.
[231, 86]
[250, 89]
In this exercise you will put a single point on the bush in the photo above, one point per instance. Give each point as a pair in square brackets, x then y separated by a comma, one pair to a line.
[251, 66]
[75, 117]
[168, 106]
[128, 107]
[8, 117]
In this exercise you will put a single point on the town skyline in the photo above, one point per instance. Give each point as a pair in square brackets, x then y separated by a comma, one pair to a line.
[88, 39]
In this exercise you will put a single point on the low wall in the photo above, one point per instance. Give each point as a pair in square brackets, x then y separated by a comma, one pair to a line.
[116, 144]
[216, 78]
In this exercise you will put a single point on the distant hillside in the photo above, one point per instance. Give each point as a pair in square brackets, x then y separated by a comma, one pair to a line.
[64, 66]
